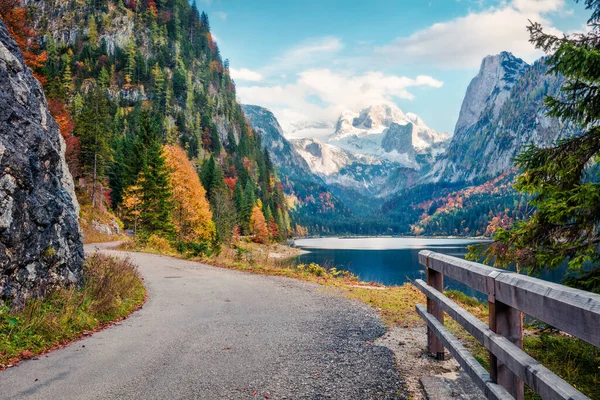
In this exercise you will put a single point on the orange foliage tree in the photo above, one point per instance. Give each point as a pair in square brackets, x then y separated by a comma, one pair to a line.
[258, 225]
[192, 216]
[61, 114]
[273, 229]
[16, 20]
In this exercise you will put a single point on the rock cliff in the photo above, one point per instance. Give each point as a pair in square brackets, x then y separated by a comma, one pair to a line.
[503, 112]
[40, 240]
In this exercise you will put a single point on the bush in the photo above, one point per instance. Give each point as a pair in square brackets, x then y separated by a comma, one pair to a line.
[313, 269]
[109, 283]
[194, 249]
[160, 244]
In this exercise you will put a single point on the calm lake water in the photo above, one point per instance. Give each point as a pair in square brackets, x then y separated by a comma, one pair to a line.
[389, 261]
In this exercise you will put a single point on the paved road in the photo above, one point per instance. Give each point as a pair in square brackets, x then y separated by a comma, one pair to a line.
[211, 333]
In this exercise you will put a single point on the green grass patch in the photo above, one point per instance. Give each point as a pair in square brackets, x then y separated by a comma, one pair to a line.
[112, 289]
[574, 360]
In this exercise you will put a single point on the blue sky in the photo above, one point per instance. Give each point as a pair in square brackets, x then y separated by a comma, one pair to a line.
[309, 60]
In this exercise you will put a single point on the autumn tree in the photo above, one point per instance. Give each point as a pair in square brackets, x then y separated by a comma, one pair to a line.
[258, 225]
[16, 19]
[191, 215]
[131, 204]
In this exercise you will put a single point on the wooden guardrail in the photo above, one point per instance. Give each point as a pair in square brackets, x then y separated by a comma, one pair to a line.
[509, 295]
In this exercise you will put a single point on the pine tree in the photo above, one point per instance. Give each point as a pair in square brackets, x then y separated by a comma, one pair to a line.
[238, 197]
[562, 179]
[67, 77]
[204, 20]
[157, 203]
[104, 78]
[92, 31]
[247, 207]
[92, 126]
[130, 75]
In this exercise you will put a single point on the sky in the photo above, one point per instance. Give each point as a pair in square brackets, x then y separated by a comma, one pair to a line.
[309, 60]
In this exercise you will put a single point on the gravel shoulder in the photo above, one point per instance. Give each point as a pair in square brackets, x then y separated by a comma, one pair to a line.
[212, 333]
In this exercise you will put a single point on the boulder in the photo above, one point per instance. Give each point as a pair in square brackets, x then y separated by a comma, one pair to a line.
[40, 239]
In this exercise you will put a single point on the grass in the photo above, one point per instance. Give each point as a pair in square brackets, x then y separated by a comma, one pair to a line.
[574, 360]
[111, 290]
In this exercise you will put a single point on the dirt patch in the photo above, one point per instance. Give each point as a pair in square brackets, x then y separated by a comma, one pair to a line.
[409, 345]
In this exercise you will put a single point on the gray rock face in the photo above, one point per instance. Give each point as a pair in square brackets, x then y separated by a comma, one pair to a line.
[511, 117]
[40, 240]
[492, 85]
[399, 138]
[282, 152]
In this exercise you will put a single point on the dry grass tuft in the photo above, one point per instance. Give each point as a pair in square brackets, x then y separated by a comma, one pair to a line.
[112, 289]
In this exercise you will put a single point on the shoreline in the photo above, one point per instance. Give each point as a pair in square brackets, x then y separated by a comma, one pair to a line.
[477, 238]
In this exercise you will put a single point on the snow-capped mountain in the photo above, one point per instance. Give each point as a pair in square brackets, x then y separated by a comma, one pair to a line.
[322, 158]
[367, 149]
[363, 152]
[303, 129]
[365, 133]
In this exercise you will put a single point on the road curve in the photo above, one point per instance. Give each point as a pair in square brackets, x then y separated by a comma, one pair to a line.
[212, 333]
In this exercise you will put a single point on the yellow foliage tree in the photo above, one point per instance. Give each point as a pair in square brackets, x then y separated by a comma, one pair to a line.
[192, 216]
[130, 207]
[258, 225]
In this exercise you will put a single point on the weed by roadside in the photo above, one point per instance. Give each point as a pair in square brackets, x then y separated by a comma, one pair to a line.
[112, 289]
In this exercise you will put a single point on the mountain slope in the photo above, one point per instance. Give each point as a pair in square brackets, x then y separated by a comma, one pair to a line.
[503, 111]
[310, 195]
[127, 77]
[283, 153]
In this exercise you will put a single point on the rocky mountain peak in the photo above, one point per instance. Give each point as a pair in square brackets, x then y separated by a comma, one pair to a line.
[490, 88]
[377, 116]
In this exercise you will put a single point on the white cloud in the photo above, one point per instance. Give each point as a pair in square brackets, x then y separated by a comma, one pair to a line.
[222, 15]
[322, 94]
[306, 54]
[463, 42]
[244, 74]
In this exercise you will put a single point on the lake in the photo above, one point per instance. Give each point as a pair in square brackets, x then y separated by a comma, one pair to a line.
[389, 261]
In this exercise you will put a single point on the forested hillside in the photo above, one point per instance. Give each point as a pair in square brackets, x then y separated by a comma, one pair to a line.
[138, 89]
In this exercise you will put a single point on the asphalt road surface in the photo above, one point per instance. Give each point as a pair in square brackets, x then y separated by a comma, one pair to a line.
[212, 333]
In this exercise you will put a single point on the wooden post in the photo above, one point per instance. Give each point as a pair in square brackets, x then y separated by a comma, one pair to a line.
[508, 322]
[435, 279]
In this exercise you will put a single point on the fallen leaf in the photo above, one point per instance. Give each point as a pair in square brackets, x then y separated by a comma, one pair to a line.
[27, 354]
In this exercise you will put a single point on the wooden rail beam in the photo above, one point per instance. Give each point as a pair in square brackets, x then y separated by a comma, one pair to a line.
[539, 378]
[479, 375]
[436, 280]
[570, 310]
